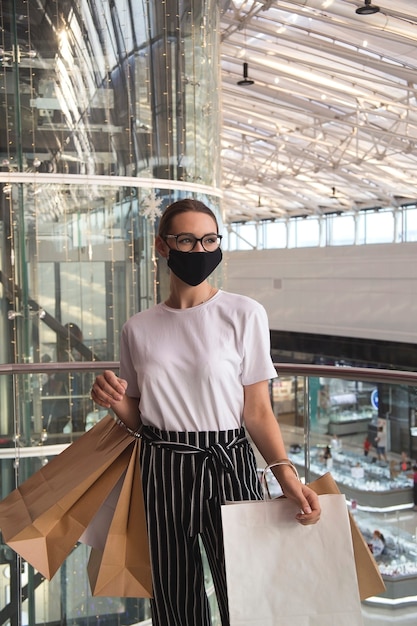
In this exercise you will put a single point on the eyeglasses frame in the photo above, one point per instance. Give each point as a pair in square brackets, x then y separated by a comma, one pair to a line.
[197, 239]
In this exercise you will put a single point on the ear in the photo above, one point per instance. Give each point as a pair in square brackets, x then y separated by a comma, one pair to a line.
[161, 247]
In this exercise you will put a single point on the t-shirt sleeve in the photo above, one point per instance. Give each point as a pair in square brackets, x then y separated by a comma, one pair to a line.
[127, 368]
[257, 362]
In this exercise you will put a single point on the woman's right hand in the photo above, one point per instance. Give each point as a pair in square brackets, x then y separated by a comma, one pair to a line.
[108, 389]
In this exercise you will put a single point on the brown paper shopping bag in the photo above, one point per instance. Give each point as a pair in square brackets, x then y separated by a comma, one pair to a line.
[95, 534]
[122, 567]
[280, 572]
[370, 581]
[45, 516]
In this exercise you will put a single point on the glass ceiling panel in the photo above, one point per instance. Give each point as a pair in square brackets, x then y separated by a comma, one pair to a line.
[333, 97]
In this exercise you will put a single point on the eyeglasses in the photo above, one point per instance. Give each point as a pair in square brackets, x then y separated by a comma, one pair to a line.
[186, 242]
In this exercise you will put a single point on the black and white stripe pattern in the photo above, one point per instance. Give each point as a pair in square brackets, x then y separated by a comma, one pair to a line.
[186, 477]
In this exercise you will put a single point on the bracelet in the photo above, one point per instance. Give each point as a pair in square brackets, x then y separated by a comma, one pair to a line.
[273, 464]
[134, 433]
[284, 462]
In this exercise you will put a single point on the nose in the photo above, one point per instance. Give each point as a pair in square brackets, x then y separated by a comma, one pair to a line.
[198, 247]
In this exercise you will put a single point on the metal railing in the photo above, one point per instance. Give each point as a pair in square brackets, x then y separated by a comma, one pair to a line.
[302, 378]
[306, 371]
[290, 369]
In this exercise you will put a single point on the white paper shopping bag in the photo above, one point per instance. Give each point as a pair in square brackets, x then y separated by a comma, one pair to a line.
[280, 572]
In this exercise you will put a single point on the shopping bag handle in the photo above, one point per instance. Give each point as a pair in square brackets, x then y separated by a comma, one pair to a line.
[270, 466]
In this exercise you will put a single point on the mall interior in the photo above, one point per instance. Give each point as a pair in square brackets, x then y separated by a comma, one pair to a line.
[113, 109]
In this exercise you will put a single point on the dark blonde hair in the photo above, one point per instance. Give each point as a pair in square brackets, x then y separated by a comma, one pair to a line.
[182, 206]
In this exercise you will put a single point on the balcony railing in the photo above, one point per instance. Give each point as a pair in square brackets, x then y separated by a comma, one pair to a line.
[318, 407]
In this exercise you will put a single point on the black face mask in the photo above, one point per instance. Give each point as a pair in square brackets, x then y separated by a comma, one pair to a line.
[193, 267]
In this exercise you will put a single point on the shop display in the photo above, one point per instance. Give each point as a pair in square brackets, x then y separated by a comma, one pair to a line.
[371, 483]
[399, 556]
[345, 422]
[398, 560]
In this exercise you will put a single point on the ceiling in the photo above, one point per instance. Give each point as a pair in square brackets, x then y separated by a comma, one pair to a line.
[330, 122]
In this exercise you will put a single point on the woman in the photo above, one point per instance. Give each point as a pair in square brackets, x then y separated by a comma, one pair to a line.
[193, 370]
[377, 543]
[381, 443]
[328, 458]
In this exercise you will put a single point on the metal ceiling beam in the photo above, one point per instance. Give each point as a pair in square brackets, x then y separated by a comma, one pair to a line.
[333, 104]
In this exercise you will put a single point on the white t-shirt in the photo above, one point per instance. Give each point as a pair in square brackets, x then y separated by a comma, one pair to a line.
[189, 366]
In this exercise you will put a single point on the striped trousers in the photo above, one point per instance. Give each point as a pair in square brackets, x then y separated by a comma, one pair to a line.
[186, 477]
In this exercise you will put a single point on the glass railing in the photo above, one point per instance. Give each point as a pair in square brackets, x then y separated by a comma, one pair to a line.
[330, 418]
[360, 425]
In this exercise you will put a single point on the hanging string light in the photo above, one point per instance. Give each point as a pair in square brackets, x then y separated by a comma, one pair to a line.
[151, 211]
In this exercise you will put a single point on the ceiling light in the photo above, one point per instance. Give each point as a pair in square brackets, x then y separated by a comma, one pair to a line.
[367, 9]
[246, 80]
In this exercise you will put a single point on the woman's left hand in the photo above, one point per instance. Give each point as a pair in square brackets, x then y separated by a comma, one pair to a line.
[306, 499]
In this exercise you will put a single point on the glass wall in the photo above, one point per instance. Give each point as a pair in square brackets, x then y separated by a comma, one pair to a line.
[361, 429]
[110, 111]
[370, 226]
[330, 418]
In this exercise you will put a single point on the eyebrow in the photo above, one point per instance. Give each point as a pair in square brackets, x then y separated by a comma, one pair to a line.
[192, 234]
